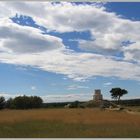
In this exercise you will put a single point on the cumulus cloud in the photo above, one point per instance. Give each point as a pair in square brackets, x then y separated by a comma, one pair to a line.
[22, 39]
[100, 46]
[108, 29]
[64, 20]
[133, 52]
[27, 46]
[77, 66]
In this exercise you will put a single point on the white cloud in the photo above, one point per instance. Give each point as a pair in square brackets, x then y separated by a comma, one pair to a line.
[107, 28]
[133, 52]
[33, 88]
[22, 39]
[107, 84]
[108, 44]
[73, 87]
[77, 66]
[66, 19]
[67, 97]
[7, 96]
[27, 46]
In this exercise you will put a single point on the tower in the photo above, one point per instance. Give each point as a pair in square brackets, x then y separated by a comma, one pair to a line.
[97, 95]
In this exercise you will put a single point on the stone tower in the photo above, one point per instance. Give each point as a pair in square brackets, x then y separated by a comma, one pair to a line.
[97, 95]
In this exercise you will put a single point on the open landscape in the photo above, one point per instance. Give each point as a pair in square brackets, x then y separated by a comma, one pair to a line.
[69, 69]
[68, 123]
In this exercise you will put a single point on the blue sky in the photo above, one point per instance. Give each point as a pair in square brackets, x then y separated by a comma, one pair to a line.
[64, 51]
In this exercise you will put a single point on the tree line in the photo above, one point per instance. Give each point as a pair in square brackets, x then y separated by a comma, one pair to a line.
[29, 102]
[21, 102]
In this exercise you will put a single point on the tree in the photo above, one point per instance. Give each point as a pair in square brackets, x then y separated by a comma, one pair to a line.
[27, 102]
[36, 102]
[2, 102]
[20, 102]
[117, 93]
[9, 103]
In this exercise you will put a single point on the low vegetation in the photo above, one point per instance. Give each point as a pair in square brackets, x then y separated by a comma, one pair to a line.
[68, 123]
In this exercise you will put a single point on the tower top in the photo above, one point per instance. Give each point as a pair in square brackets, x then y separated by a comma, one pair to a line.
[97, 91]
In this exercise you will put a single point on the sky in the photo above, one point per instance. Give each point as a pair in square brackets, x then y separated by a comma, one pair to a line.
[64, 51]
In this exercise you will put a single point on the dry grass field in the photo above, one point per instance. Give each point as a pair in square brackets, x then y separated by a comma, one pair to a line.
[70, 123]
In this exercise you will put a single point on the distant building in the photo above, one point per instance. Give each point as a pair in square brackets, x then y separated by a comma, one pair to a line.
[97, 95]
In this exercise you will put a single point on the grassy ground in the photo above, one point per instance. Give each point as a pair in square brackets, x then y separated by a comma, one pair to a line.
[134, 108]
[58, 123]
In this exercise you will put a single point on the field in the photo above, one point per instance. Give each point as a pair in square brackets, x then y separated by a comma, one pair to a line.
[68, 123]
